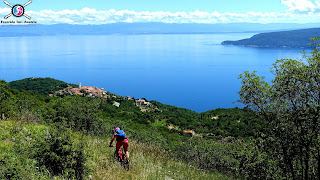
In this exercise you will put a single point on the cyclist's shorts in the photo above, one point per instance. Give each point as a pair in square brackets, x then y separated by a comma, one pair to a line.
[125, 144]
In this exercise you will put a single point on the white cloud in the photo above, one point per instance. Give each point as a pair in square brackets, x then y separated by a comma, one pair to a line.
[301, 6]
[92, 16]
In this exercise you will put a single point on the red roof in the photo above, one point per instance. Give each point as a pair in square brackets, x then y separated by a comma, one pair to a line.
[186, 131]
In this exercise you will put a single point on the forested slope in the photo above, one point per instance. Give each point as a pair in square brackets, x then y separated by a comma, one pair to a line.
[51, 136]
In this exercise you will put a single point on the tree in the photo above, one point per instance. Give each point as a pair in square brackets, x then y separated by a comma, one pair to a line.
[291, 107]
[83, 91]
[6, 101]
[76, 113]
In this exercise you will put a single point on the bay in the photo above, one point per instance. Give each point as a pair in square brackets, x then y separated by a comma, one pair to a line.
[192, 71]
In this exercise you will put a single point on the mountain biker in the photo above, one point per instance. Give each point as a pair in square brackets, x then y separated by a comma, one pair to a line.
[121, 139]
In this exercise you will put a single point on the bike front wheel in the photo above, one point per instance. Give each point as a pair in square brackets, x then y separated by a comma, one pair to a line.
[125, 162]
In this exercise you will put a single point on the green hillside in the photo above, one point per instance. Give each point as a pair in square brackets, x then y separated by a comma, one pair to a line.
[182, 119]
[291, 39]
[236, 122]
[20, 159]
[43, 86]
[37, 130]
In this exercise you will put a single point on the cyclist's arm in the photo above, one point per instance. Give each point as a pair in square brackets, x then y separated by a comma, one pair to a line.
[111, 140]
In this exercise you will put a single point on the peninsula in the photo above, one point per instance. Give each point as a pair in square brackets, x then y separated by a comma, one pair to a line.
[283, 39]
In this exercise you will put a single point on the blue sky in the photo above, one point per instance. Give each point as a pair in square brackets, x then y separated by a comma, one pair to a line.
[170, 11]
[236, 6]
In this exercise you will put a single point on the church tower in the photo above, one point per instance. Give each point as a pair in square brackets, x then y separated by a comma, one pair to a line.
[80, 85]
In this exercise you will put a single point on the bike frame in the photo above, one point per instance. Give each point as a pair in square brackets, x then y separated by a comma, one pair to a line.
[119, 157]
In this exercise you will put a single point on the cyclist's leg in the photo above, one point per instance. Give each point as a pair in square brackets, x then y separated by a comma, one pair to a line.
[126, 147]
[118, 146]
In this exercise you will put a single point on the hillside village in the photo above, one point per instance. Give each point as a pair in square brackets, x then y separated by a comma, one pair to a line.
[85, 91]
[93, 92]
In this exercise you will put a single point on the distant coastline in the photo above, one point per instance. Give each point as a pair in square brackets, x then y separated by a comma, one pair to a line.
[11, 30]
[281, 39]
[259, 46]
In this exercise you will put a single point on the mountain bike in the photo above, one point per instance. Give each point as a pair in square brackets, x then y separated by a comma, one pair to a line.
[122, 158]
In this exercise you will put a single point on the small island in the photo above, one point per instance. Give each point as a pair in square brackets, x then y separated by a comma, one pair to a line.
[282, 39]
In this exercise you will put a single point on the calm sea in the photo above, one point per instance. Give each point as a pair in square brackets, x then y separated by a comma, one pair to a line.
[191, 71]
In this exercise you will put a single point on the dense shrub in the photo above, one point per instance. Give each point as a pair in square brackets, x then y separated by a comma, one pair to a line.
[227, 155]
[60, 155]
[10, 168]
[77, 113]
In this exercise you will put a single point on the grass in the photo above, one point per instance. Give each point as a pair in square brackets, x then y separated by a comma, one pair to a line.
[146, 162]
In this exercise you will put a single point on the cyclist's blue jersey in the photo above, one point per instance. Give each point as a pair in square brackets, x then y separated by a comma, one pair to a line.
[120, 135]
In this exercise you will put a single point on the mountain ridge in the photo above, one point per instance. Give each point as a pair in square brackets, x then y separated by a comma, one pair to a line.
[145, 28]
